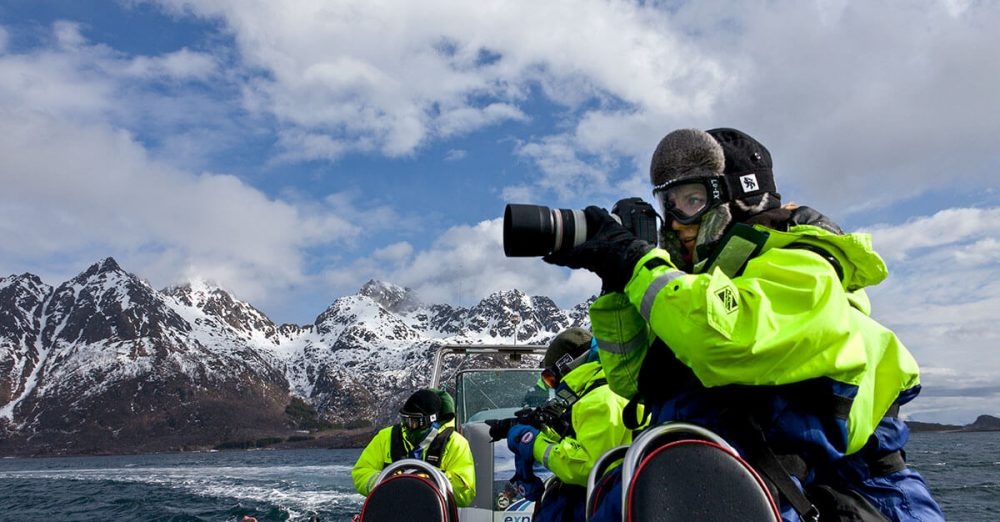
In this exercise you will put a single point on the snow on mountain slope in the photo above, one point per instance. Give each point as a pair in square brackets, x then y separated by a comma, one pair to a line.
[104, 354]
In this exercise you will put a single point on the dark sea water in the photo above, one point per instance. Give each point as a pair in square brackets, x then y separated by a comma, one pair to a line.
[963, 470]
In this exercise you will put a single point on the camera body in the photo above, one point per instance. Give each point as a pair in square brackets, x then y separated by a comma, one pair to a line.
[550, 415]
[535, 230]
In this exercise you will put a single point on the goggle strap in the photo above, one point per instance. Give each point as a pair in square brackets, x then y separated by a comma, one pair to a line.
[566, 364]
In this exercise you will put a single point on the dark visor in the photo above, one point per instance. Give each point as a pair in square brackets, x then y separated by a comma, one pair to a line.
[415, 421]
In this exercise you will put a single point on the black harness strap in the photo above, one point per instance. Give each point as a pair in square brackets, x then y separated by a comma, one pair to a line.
[436, 449]
[881, 465]
[397, 449]
[630, 413]
[760, 455]
[593, 386]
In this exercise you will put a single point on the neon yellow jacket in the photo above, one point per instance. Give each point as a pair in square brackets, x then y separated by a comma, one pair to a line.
[597, 420]
[456, 463]
[787, 318]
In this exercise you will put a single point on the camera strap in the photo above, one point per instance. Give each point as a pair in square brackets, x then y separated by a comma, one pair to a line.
[741, 244]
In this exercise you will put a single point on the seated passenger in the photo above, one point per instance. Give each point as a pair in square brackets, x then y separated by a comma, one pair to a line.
[590, 425]
[426, 431]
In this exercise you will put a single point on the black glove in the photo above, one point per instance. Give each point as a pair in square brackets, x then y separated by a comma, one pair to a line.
[610, 251]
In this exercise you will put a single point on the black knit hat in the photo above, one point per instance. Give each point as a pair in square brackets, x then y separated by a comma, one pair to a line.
[425, 401]
[573, 341]
[748, 166]
[743, 153]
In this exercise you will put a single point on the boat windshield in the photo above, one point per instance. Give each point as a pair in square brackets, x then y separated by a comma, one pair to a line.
[496, 393]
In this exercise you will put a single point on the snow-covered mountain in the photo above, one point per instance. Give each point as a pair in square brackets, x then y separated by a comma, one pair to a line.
[104, 362]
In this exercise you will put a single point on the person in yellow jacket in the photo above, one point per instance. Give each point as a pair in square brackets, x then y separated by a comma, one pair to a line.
[751, 319]
[591, 424]
[425, 431]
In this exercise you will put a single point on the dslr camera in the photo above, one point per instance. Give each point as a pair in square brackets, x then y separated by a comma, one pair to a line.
[535, 230]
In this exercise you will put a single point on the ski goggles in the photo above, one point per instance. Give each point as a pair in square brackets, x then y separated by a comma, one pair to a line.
[416, 421]
[554, 374]
[687, 200]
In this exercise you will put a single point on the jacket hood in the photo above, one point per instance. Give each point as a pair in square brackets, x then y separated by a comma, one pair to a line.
[862, 266]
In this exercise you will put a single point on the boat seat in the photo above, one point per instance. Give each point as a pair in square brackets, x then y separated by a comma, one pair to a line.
[682, 472]
[596, 483]
[411, 490]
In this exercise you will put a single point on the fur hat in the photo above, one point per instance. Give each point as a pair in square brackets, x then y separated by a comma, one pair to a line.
[425, 401]
[573, 341]
[686, 153]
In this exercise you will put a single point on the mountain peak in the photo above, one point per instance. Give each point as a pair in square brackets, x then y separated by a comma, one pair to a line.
[104, 267]
[219, 303]
[108, 264]
[392, 297]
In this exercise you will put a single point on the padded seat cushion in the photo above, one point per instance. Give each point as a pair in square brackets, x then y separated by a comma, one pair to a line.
[692, 480]
[407, 497]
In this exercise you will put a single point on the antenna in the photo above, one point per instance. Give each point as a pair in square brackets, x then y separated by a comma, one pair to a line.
[516, 319]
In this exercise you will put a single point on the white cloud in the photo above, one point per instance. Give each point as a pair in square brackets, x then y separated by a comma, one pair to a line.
[455, 155]
[862, 104]
[85, 191]
[182, 64]
[951, 229]
[870, 103]
[942, 296]
[466, 263]
[395, 76]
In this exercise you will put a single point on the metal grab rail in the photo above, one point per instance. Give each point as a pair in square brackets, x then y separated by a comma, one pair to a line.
[601, 466]
[648, 440]
[436, 475]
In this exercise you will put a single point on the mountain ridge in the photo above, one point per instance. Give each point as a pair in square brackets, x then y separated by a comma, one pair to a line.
[104, 363]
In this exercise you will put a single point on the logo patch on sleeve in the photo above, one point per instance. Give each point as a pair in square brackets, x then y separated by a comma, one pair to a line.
[728, 298]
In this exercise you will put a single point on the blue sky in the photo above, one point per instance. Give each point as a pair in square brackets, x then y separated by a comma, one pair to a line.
[291, 151]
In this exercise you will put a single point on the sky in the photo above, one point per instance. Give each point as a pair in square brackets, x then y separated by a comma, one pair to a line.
[291, 151]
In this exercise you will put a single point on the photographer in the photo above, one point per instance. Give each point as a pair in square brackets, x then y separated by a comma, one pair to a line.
[752, 321]
[592, 424]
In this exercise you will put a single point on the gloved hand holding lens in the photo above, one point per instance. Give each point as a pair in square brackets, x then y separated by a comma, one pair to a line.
[611, 251]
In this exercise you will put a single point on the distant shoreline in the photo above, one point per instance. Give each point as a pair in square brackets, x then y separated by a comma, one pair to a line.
[359, 437]
[982, 423]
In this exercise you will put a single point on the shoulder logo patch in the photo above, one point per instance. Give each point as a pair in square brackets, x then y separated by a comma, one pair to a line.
[728, 298]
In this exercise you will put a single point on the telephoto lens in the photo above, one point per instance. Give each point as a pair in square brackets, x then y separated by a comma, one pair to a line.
[534, 230]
